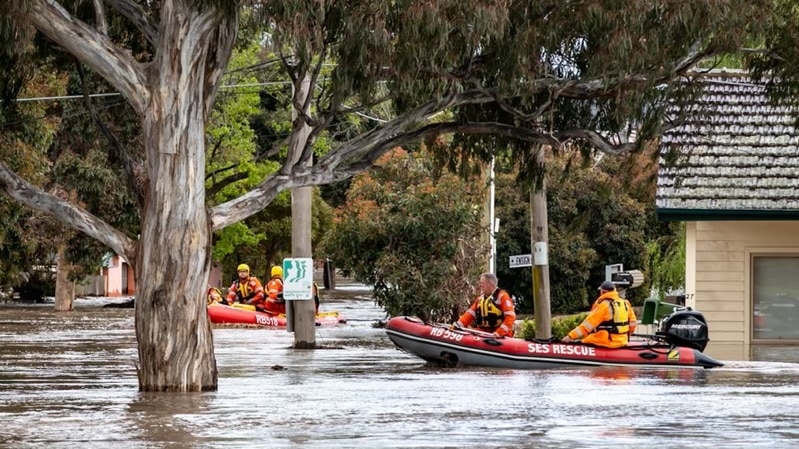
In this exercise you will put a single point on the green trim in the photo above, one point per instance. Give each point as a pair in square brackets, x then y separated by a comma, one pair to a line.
[725, 215]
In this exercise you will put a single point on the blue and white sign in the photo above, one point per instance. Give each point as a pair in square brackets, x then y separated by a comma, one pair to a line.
[298, 278]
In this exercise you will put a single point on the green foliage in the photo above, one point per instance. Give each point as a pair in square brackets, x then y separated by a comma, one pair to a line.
[775, 65]
[247, 139]
[413, 235]
[593, 221]
[666, 262]
[560, 326]
[27, 237]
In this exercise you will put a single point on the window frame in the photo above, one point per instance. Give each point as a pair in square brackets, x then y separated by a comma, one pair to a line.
[766, 253]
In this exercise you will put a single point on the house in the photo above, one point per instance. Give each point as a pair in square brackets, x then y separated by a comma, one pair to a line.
[117, 279]
[730, 171]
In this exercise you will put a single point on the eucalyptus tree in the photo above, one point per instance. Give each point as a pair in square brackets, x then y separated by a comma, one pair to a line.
[420, 57]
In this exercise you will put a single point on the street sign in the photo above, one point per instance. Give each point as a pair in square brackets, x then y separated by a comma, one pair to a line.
[297, 278]
[521, 260]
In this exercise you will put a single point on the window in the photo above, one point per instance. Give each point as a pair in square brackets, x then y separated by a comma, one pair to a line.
[776, 298]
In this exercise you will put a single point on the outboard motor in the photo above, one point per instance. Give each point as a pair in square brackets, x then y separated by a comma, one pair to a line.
[685, 327]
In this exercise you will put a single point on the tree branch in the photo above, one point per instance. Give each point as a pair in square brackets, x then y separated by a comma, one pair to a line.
[401, 124]
[93, 49]
[359, 153]
[314, 77]
[99, 17]
[66, 212]
[218, 186]
[137, 16]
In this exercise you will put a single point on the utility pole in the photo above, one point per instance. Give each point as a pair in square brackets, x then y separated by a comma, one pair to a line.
[539, 226]
[301, 316]
[492, 221]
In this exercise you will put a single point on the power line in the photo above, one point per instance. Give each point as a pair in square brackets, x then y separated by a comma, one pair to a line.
[116, 94]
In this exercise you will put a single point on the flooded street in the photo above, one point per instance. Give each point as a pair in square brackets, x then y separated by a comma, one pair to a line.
[68, 380]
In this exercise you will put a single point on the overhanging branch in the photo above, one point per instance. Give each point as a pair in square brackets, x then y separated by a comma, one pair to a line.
[65, 212]
[93, 49]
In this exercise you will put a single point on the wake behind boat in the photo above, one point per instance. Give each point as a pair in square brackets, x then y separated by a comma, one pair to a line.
[437, 343]
[222, 314]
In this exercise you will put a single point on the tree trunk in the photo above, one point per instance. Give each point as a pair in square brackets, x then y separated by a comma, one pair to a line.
[64, 288]
[175, 342]
[174, 334]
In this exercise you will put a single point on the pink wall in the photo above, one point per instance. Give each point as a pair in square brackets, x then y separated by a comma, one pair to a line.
[114, 285]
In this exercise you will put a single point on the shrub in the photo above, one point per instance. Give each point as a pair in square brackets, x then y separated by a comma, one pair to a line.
[560, 326]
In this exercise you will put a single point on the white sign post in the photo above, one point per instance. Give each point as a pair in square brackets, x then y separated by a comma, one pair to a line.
[298, 278]
[521, 260]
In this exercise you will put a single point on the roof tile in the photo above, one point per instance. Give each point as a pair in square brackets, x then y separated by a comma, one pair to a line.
[734, 151]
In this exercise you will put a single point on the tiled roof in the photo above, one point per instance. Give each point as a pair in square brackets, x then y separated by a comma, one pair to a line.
[734, 151]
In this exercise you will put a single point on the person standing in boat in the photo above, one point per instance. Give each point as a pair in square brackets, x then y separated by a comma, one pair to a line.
[493, 311]
[609, 323]
[246, 289]
[275, 304]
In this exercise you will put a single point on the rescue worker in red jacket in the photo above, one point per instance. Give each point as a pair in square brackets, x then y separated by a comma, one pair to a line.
[246, 289]
[275, 304]
[493, 311]
[609, 322]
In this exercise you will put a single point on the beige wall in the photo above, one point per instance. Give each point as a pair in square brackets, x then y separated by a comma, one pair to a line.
[718, 264]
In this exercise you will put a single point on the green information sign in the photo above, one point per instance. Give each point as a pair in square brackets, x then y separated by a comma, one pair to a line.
[298, 278]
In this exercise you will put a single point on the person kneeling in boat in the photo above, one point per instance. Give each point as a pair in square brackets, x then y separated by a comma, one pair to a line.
[275, 304]
[493, 311]
[609, 323]
[246, 289]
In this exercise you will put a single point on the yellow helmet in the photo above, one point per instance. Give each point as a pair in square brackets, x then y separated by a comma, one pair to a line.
[277, 271]
[243, 267]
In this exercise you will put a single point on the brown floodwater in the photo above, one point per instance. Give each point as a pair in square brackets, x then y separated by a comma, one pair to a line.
[68, 380]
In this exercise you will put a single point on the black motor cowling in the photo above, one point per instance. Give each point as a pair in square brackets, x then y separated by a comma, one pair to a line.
[685, 327]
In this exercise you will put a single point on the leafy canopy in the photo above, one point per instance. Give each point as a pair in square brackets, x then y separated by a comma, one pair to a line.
[413, 234]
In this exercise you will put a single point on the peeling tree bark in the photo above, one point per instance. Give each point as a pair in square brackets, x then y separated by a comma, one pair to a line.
[176, 350]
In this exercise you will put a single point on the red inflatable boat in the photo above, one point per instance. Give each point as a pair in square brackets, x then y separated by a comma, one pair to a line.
[439, 344]
[222, 314]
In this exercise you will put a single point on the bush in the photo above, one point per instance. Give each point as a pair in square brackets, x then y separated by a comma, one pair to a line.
[412, 234]
[560, 326]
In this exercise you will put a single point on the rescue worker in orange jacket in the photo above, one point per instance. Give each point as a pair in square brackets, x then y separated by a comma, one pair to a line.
[275, 304]
[633, 318]
[246, 289]
[609, 323]
[493, 311]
